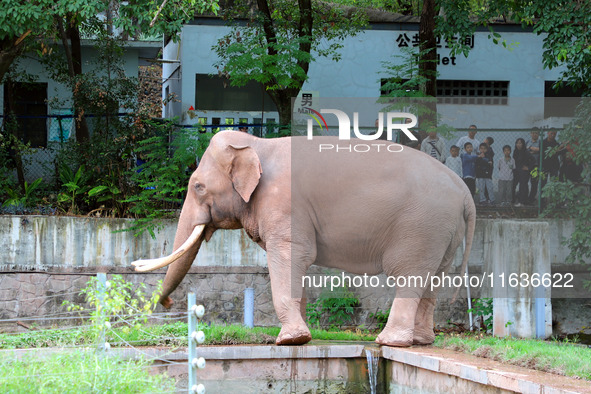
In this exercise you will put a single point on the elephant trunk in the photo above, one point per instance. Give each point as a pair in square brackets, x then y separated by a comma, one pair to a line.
[180, 260]
[177, 271]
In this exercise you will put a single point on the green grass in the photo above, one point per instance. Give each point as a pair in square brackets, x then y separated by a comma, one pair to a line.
[342, 335]
[550, 356]
[562, 358]
[79, 372]
[173, 334]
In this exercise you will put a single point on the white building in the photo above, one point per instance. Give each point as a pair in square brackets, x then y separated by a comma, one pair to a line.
[492, 83]
[39, 101]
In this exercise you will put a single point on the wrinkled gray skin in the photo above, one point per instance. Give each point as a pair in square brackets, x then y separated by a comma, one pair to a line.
[399, 213]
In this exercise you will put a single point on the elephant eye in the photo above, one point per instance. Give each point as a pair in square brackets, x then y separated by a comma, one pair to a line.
[199, 187]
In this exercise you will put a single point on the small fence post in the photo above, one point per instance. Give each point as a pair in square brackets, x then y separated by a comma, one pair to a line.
[249, 307]
[102, 289]
[195, 312]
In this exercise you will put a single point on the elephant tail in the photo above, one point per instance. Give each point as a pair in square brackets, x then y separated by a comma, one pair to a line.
[470, 220]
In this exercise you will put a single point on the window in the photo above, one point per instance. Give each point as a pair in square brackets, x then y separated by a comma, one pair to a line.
[473, 92]
[216, 94]
[460, 92]
[560, 102]
[29, 105]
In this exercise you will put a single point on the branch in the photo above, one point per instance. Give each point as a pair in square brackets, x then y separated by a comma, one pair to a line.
[305, 31]
[158, 13]
[21, 38]
[67, 49]
[268, 26]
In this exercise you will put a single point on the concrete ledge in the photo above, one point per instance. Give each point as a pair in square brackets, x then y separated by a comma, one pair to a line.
[92, 271]
[486, 372]
[427, 369]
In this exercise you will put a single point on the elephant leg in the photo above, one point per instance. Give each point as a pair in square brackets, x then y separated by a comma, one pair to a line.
[408, 305]
[303, 305]
[288, 300]
[399, 329]
[424, 334]
[423, 331]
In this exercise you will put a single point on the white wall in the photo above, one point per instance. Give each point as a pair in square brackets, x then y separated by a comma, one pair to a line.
[359, 71]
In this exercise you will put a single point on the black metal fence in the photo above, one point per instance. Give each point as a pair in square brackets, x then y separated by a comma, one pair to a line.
[524, 188]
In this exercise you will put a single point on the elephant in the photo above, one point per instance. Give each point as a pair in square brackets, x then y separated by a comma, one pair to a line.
[397, 211]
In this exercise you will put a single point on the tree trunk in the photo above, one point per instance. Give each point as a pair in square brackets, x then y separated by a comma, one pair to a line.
[74, 60]
[282, 100]
[282, 97]
[10, 49]
[284, 109]
[9, 124]
[428, 63]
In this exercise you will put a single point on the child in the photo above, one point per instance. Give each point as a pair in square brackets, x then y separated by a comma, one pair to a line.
[469, 168]
[505, 167]
[490, 154]
[484, 176]
[454, 162]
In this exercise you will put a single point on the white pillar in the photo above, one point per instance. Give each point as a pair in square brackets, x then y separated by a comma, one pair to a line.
[516, 252]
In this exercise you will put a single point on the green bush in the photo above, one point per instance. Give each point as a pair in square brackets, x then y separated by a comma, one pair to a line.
[116, 302]
[167, 158]
[381, 318]
[483, 309]
[79, 372]
[332, 309]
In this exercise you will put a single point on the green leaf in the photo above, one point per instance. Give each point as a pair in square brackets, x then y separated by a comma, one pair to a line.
[97, 190]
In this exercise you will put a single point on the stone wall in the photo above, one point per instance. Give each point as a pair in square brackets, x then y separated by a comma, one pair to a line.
[47, 260]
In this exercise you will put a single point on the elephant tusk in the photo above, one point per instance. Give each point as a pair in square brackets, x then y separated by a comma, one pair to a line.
[152, 264]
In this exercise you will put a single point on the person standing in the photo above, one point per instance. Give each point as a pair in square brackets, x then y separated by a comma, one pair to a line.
[505, 169]
[434, 146]
[524, 163]
[471, 138]
[490, 154]
[533, 146]
[453, 161]
[484, 176]
[469, 167]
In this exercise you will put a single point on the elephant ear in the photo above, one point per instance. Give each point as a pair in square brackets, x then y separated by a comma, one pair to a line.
[245, 170]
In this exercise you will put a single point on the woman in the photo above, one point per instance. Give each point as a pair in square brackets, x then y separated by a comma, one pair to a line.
[524, 163]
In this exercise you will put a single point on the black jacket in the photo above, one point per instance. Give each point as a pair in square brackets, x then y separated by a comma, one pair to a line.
[524, 158]
[483, 167]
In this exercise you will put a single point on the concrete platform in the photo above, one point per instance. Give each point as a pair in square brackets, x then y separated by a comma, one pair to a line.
[341, 367]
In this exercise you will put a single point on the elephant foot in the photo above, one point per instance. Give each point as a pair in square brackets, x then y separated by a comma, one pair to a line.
[423, 337]
[393, 337]
[298, 336]
[167, 302]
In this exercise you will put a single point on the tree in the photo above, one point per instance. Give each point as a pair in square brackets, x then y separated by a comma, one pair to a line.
[23, 23]
[32, 25]
[277, 44]
[567, 42]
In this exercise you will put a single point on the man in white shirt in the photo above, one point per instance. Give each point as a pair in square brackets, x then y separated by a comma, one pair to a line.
[469, 138]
